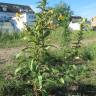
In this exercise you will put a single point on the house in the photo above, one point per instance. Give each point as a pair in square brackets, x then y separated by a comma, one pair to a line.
[15, 16]
[75, 23]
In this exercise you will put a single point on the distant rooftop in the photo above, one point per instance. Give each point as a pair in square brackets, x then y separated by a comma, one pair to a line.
[76, 17]
[7, 7]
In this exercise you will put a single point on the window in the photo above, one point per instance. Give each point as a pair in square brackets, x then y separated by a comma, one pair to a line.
[21, 10]
[26, 10]
[4, 8]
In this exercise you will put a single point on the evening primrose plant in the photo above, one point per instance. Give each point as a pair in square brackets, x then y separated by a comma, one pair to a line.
[33, 68]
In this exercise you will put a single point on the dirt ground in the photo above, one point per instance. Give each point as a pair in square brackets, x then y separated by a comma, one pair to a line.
[7, 54]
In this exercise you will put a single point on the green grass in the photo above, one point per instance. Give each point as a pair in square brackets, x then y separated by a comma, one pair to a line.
[9, 40]
[89, 45]
[91, 65]
[89, 34]
[14, 39]
[12, 44]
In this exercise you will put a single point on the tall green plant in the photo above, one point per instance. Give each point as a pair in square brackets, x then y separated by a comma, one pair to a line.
[78, 43]
[34, 68]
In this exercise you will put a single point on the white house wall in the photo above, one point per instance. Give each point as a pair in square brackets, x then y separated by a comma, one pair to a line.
[23, 17]
[74, 26]
[17, 23]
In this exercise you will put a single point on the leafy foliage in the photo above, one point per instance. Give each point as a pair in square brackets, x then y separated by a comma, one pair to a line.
[88, 53]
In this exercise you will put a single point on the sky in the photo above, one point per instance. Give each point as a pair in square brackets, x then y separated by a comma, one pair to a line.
[84, 8]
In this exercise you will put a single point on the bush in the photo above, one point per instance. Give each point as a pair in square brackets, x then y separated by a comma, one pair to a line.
[15, 88]
[88, 53]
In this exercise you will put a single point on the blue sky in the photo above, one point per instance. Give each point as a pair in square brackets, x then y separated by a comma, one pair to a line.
[84, 8]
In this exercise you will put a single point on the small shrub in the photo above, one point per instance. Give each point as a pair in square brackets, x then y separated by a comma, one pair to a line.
[15, 88]
[88, 54]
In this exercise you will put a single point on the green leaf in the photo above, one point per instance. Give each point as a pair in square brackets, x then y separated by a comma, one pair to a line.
[74, 67]
[62, 80]
[19, 55]
[17, 70]
[44, 93]
[47, 47]
[31, 65]
[46, 34]
[54, 70]
[26, 38]
[40, 81]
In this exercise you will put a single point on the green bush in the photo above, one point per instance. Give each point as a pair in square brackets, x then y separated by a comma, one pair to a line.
[15, 88]
[88, 53]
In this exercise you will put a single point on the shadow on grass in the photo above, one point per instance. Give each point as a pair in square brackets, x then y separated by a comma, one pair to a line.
[78, 90]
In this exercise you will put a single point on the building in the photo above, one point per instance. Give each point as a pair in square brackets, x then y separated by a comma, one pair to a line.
[75, 23]
[15, 16]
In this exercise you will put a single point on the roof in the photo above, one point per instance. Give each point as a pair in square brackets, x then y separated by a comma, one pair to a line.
[7, 7]
[76, 17]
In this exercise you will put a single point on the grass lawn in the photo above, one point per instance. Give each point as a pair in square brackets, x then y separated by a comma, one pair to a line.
[89, 43]
[12, 44]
